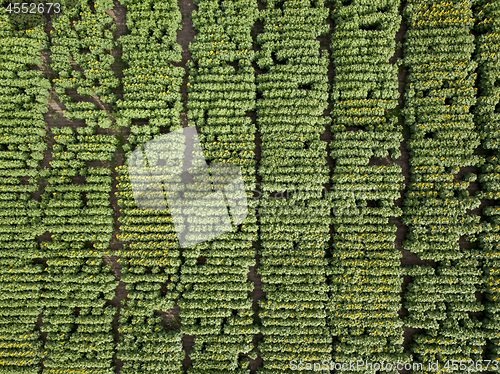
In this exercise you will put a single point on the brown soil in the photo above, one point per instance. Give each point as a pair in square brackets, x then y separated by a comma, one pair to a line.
[257, 294]
[187, 345]
[408, 258]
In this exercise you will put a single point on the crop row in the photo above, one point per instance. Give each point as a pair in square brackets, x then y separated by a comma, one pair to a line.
[151, 82]
[75, 202]
[219, 312]
[150, 256]
[439, 95]
[487, 118]
[366, 272]
[22, 142]
[293, 95]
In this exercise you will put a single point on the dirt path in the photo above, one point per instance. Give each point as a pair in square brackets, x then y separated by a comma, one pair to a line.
[408, 258]
[184, 37]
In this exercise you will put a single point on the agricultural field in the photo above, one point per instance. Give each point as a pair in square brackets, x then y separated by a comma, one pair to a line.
[357, 227]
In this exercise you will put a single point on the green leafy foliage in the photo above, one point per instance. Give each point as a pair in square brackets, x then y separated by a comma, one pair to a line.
[439, 95]
[215, 303]
[366, 274]
[487, 118]
[23, 97]
[151, 81]
[294, 221]
[150, 257]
